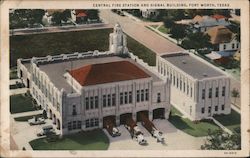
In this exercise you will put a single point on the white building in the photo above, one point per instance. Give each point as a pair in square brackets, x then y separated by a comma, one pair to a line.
[224, 41]
[198, 89]
[80, 90]
[203, 23]
[147, 13]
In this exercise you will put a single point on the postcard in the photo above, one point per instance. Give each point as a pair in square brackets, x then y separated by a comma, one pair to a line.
[125, 78]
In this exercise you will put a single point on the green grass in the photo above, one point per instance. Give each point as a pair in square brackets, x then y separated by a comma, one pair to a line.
[175, 111]
[198, 129]
[154, 26]
[13, 73]
[141, 51]
[232, 121]
[20, 103]
[163, 29]
[27, 46]
[92, 140]
[26, 118]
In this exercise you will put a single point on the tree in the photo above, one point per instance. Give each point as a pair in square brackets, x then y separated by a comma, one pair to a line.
[168, 22]
[176, 14]
[220, 140]
[56, 18]
[65, 15]
[93, 14]
[235, 94]
[197, 41]
[178, 32]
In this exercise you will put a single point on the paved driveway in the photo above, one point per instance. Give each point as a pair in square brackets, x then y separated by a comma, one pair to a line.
[174, 139]
[138, 31]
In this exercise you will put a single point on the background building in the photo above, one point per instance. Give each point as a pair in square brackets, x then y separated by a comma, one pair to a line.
[198, 89]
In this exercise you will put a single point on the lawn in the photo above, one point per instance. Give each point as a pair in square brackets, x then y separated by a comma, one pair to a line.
[163, 29]
[92, 140]
[154, 26]
[23, 46]
[231, 121]
[26, 118]
[13, 73]
[198, 129]
[20, 103]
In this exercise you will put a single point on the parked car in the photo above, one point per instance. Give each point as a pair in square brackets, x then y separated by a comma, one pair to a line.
[46, 130]
[36, 121]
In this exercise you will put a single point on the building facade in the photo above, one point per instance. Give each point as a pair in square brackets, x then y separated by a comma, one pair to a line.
[80, 90]
[198, 89]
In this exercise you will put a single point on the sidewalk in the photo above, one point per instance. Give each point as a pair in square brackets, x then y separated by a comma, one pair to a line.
[221, 126]
[18, 91]
[13, 81]
[22, 114]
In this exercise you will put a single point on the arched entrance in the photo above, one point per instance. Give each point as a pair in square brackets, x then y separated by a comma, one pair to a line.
[139, 113]
[124, 117]
[159, 113]
[109, 120]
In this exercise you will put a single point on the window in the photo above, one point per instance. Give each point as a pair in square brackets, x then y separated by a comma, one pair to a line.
[203, 93]
[109, 100]
[216, 108]
[138, 96]
[113, 100]
[202, 110]
[96, 102]
[233, 46]
[91, 102]
[210, 93]
[87, 103]
[69, 126]
[158, 97]
[142, 95]
[171, 78]
[174, 80]
[79, 124]
[217, 92]
[223, 91]
[74, 125]
[224, 46]
[187, 89]
[74, 110]
[222, 107]
[177, 82]
[104, 101]
[191, 92]
[121, 98]
[146, 95]
[184, 86]
[180, 84]
[126, 98]
[94, 122]
[237, 45]
[130, 97]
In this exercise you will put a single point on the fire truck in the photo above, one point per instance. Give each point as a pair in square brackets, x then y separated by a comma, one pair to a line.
[151, 128]
[135, 131]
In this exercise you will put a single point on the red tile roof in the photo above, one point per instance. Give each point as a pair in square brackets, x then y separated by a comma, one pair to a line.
[80, 13]
[218, 16]
[107, 72]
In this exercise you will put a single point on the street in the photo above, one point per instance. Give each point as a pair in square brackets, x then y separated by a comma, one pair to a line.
[139, 32]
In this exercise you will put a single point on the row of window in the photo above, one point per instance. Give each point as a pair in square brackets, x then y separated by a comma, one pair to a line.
[176, 82]
[126, 98]
[210, 90]
[91, 102]
[142, 95]
[233, 46]
[74, 125]
[215, 109]
[94, 122]
[109, 100]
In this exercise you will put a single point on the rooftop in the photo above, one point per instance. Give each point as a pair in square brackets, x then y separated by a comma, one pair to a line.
[192, 66]
[96, 67]
[107, 72]
[220, 34]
